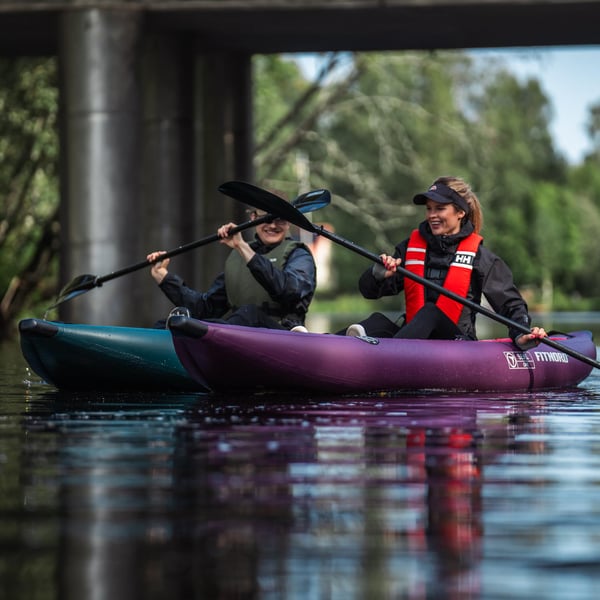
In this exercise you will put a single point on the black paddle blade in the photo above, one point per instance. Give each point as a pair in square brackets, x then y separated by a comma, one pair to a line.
[248, 193]
[78, 285]
[269, 202]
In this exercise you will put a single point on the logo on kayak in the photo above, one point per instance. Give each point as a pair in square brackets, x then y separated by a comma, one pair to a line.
[555, 357]
[368, 339]
[519, 360]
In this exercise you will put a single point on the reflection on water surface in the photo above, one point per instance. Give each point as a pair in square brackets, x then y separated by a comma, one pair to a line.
[188, 496]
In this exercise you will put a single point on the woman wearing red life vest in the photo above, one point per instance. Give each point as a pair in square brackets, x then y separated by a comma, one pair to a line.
[447, 250]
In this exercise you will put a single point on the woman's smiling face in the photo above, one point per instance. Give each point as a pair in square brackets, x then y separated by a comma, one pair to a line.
[444, 219]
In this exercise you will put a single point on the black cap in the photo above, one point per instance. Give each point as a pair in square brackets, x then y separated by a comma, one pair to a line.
[443, 194]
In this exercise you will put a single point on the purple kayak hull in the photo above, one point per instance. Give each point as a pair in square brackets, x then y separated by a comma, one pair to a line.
[227, 357]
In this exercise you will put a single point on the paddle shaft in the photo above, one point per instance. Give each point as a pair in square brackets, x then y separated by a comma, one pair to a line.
[320, 230]
[180, 250]
[245, 192]
[278, 206]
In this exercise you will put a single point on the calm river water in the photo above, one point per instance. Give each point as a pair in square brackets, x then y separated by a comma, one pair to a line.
[121, 497]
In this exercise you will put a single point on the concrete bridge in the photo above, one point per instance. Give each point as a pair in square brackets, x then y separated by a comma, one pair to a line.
[156, 108]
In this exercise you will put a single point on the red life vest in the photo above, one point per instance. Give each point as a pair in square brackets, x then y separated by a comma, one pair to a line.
[458, 278]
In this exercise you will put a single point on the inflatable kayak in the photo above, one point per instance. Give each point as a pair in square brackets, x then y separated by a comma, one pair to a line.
[93, 357]
[225, 358]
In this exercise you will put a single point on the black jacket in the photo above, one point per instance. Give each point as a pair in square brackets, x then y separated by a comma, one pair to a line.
[491, 278]
[292, 287]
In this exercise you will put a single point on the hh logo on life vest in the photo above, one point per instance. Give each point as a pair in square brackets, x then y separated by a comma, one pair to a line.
[519, 360]
[464, 259]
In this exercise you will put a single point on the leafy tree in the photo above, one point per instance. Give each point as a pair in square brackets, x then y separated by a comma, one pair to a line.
[517, 157]
[555, 240]
[584, 184]
[593, 129]
[28, 185]
[398, 120]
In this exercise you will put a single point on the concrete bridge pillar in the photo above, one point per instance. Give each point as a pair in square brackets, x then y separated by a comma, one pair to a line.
[224, 140]
[151, 126]
[168, 203]
[100, 172]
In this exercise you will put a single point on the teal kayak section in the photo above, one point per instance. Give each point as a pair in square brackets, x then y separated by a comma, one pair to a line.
[95, 357]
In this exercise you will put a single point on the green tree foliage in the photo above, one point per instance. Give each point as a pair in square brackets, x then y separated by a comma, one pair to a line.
[397, 129]
[28, 184]
[516, 157]
[402, 119]
[584, 185]
[281, 86]
[287, 110]
[593, 129]
[555, 242]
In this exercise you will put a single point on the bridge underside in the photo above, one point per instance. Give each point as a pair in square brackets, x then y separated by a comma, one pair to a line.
[310, 26]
